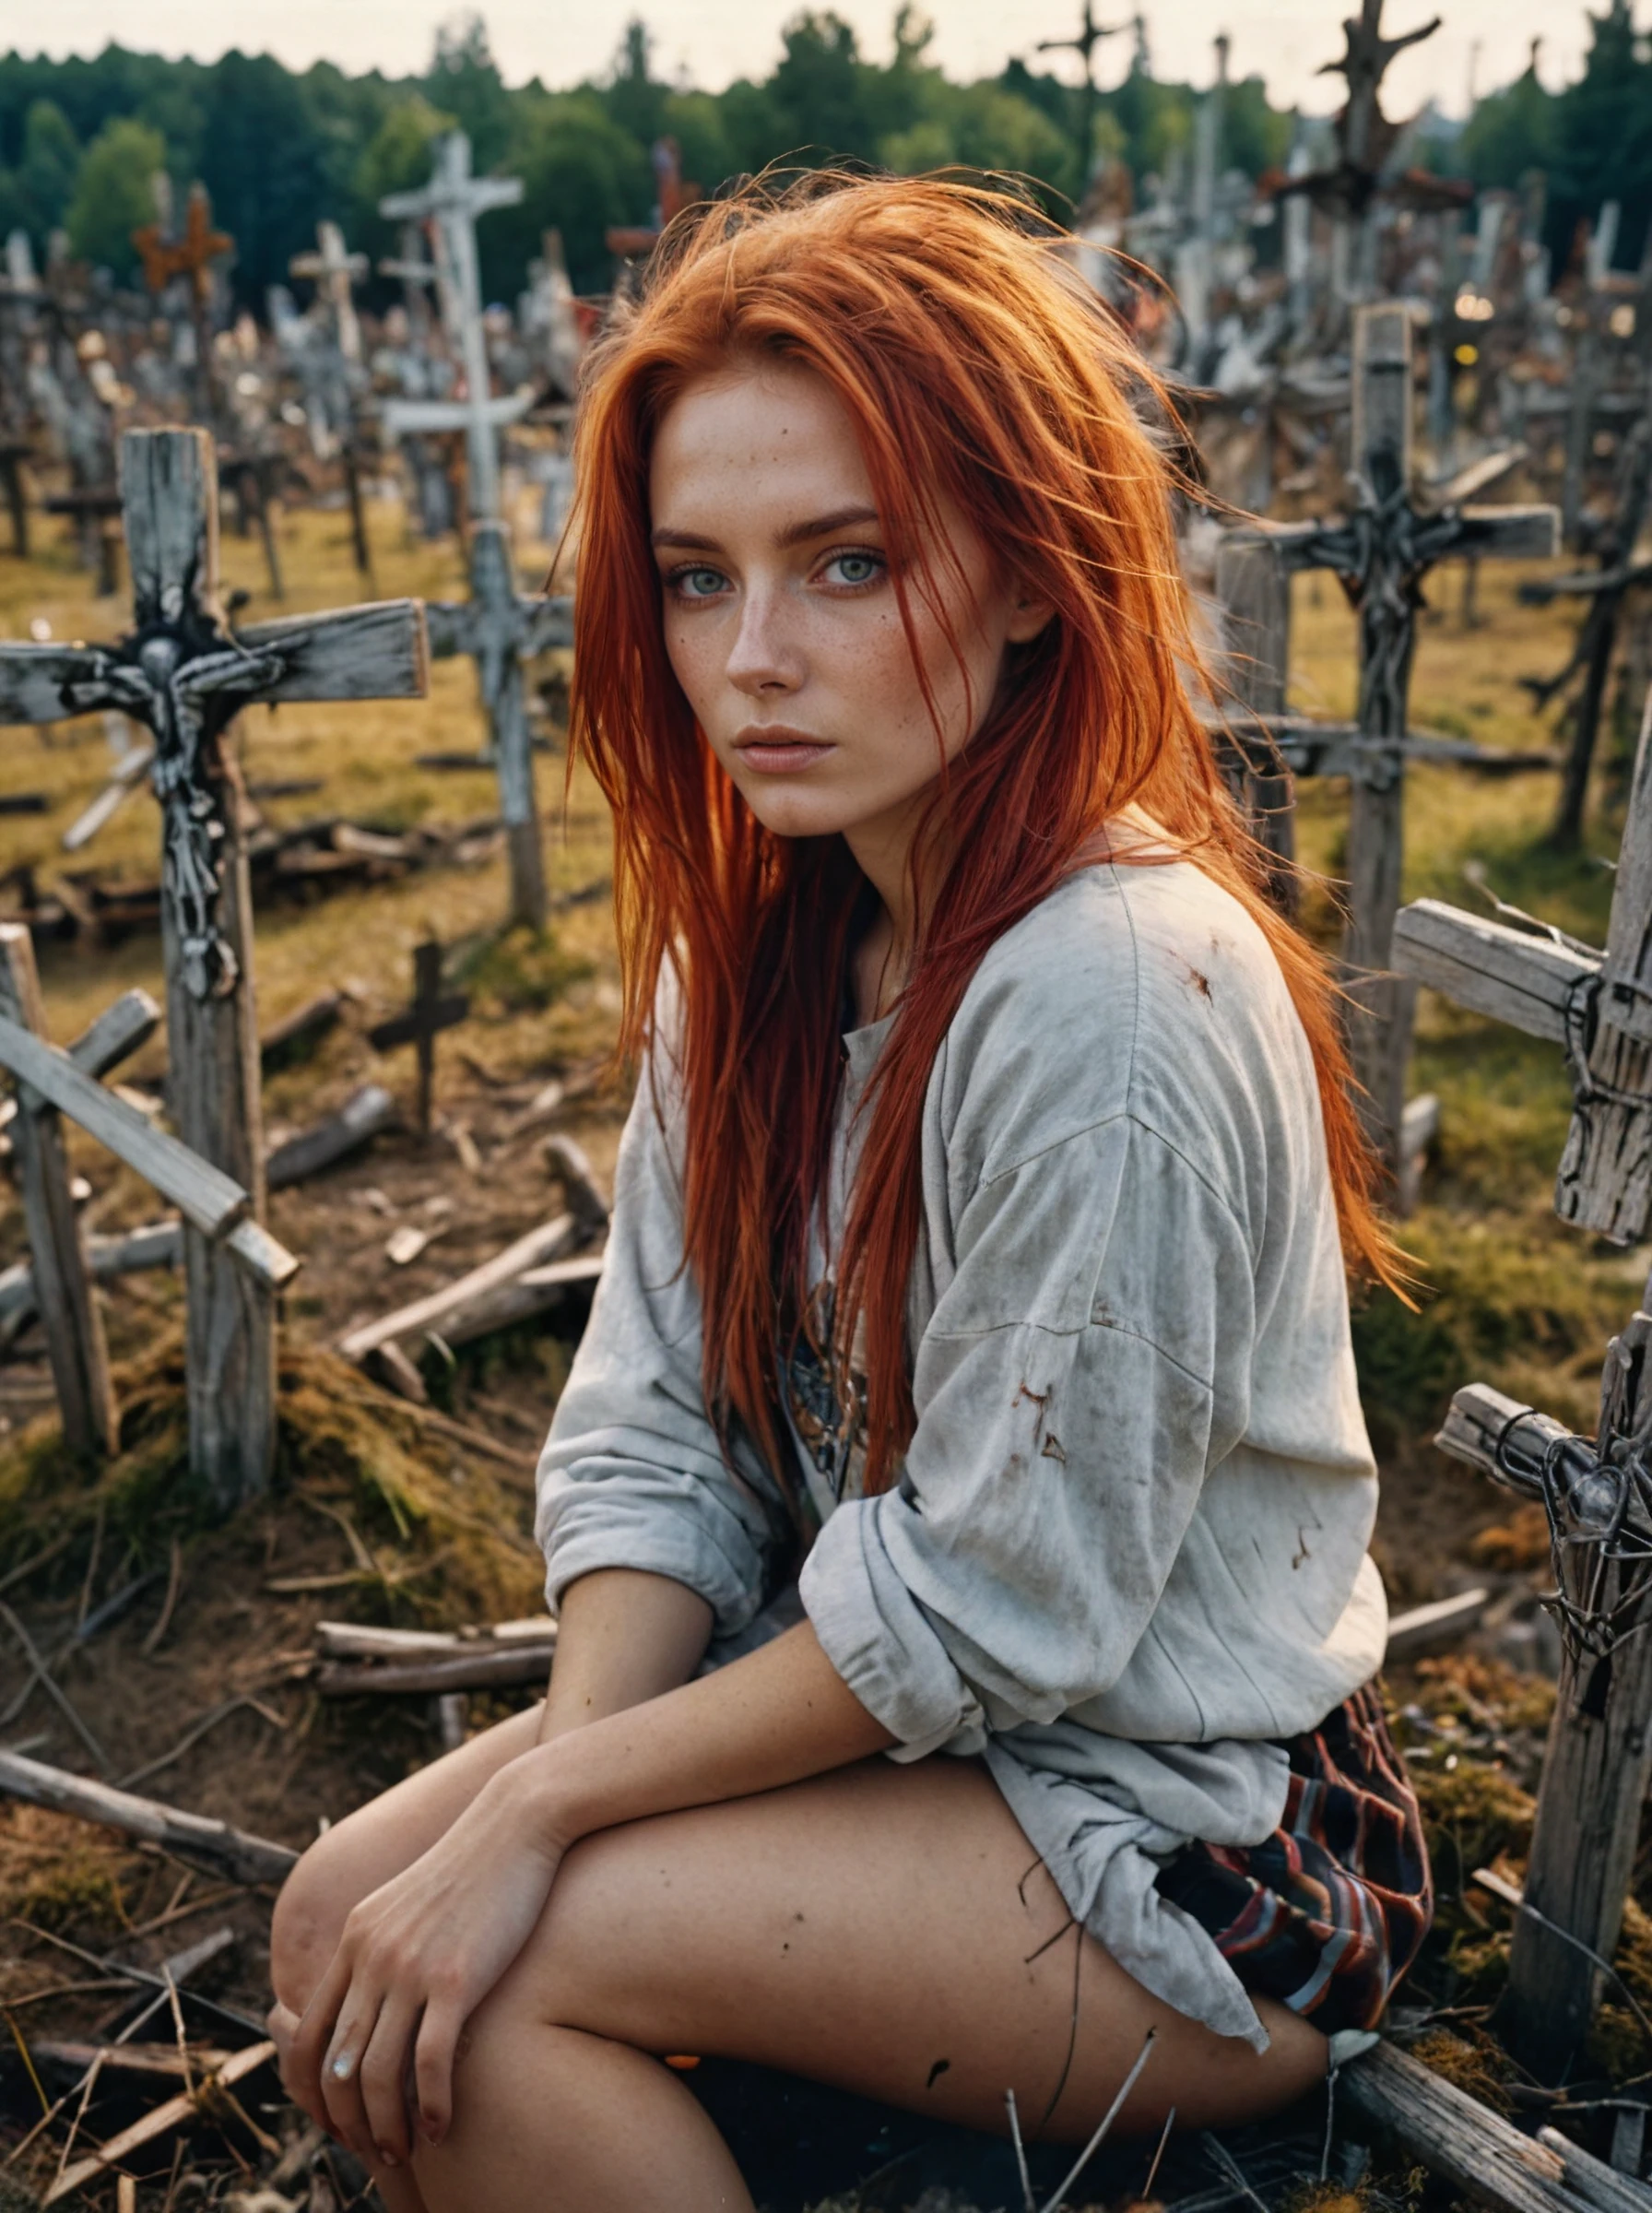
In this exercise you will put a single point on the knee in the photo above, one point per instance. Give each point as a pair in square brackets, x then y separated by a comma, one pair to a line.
[309, 1918]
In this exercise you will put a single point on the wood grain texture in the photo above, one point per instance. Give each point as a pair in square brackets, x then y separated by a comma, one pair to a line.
[216, 1846]
[376, 651]
[1382, 384]
[118, 1033]
[169, 503]
[32, 680]
[360, 1120]
[1605, 1179]
[1478, 1417]
[1253, 587]
[1514, 533]
[206, 1197]
[485, 1299]
[1459, 2139]
[69, 1312]
[487, 1668]
[1489, 967]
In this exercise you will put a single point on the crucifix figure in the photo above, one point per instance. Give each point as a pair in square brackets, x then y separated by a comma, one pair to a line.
[1598, 1009]
[1382, 553]
[451, 203]
[430, 1013]
[184, 674]
[501, 628]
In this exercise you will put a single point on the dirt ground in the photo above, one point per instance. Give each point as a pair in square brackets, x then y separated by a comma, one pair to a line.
[202, 1686]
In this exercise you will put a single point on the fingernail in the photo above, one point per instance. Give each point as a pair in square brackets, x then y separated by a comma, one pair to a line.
[387, 2159]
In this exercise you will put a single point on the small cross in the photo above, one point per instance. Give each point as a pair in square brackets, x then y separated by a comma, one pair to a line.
[430, 1015]
[501, 628]
[332, 272]
[190, 255]
[1598, 1009]
[185, 675]
[451, 202]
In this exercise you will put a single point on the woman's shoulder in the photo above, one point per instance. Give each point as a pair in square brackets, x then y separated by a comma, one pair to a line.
[1137, 989]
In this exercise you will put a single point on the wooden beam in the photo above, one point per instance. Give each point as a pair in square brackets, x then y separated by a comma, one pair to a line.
[1479, 1418]
[69, 1311]
[1470, 2147]
[217, 1847]
[488, 1298]
[1514, 977]
[118, 1033]
[378, 650]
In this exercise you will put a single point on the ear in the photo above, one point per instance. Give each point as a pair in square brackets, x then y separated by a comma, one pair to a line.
[1028, 616]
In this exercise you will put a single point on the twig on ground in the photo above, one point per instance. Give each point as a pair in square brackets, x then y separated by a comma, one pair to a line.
[1053, 2204]
[174, 1581]
[89, 2083]
[49, 1684]
[1030, 2202]
[1153, 2173]
[193, 1737]
[50, 1551]
[92, 1564]
[1230, 2166]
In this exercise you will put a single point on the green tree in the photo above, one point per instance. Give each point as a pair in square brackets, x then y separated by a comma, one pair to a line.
[581, 173]
[464, 81]
[264, 159]
[1509, 134]
[51, 162]
[1603, 135]
[818, 89]
[396, 158]
[114, 194]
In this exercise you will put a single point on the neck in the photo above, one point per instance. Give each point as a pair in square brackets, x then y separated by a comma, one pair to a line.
[883, 851]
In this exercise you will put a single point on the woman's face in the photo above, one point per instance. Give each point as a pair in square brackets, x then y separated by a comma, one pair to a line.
[781, 620]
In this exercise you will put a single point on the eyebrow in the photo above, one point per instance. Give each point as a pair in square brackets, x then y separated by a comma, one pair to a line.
[795, 534]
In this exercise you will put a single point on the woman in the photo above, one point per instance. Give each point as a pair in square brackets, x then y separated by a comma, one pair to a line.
[978, 1244]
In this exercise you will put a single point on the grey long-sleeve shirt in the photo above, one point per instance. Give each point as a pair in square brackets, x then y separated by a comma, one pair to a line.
[1128, 1551]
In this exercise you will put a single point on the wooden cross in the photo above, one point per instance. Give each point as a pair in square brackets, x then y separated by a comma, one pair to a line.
[332, 272]
[185, 675]
[1382, 552]
[52, 1083]
[190, 255]
[1092, 36]
[1598, 1007]
[430, 1013]
[501, 628]
[451, 201]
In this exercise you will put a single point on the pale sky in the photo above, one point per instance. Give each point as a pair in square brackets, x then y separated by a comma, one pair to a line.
[712, 41]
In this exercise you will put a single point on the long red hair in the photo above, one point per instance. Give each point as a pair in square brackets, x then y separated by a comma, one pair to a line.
[978, 371]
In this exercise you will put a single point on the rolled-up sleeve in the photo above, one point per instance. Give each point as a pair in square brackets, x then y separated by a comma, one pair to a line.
[1085, 1367]
[632, 1473]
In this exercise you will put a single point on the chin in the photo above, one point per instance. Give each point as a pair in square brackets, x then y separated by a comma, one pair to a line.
[798, 813]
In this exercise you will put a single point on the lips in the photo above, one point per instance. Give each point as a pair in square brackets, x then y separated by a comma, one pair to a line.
[781, 751]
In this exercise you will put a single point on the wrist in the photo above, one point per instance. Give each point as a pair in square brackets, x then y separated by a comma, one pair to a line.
[538, 1794]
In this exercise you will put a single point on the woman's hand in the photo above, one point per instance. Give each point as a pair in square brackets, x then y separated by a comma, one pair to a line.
[372, 2057]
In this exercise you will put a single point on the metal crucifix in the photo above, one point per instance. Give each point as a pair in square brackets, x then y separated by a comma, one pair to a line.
[1382, 552]
[185, 674]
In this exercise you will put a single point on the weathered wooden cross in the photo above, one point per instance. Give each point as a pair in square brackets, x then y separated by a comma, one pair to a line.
[53, 1083]
[430, 1012]
[451, 201]
[185, 675]
[190, 255]
[332, 271]
[1381, 554]
[501, 628]
[1598, 1007]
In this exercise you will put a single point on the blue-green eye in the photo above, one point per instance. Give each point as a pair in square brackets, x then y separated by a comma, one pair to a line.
[854, 568]
[699, 584]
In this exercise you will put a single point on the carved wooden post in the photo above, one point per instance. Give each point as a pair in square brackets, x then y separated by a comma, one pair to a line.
[182, 673]
[1598, 1759]
[70, 1315]
[1253, 588]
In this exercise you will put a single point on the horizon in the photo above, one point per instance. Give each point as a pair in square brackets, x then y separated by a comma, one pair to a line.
[708, 44]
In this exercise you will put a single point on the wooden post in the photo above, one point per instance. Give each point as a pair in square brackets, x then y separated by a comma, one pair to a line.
[1598, 1759]
[69, 1312]
[500, 629]
[1253, 588]
[182, 673]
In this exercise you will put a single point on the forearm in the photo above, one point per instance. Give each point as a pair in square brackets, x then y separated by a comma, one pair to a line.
[624, 1638]
[777, 1716]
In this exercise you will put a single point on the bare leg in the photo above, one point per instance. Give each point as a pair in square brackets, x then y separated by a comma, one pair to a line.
[861, 1929]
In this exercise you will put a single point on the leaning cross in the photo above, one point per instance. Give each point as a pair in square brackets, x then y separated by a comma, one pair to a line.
[1382, 552]
[185, 675]
[51, 1085]
[453, 200]
[501, 628]
[430, 1012]
[1599, 1009]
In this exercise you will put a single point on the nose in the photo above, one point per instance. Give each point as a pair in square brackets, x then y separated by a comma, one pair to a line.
[765, 658]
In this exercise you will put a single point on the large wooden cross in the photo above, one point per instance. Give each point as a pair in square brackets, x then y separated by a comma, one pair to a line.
[451, 201]
[501, 628]
[1598, 1007]
[53, 1083]
[1382, 552]
[185, 675]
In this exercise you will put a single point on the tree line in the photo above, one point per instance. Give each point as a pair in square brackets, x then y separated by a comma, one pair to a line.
[81, 140]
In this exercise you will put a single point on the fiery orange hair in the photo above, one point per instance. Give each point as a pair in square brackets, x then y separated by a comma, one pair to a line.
[977, 370]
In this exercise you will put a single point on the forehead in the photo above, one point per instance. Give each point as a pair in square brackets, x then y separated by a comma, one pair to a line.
[760, 432]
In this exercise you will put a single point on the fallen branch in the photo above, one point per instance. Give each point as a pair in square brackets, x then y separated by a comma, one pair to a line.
[176, 2113]
[1425, 1628]
[499, 1668]
[358, 1121]
[221, 1850]
[1473, 2148]
[486, 1299]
